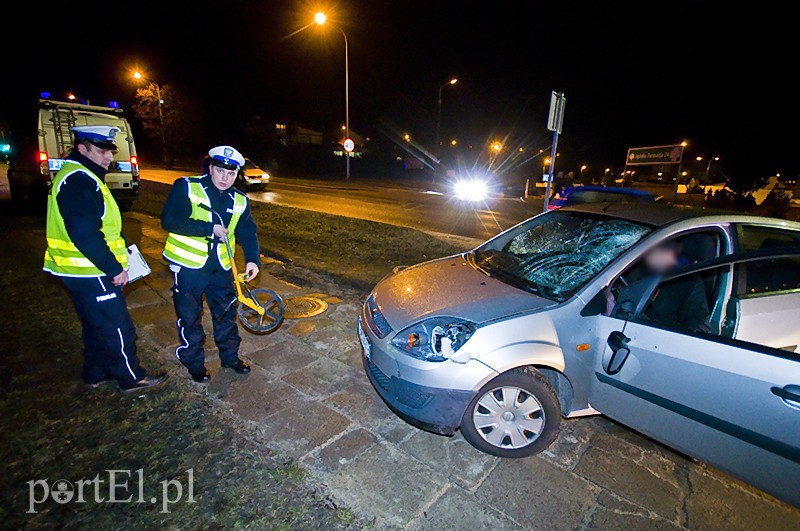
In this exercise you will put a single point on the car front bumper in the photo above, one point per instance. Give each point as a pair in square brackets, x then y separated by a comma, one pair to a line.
[420, 403]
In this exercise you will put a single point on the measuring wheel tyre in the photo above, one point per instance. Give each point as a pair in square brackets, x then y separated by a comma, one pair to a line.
[273, 311]
[515, 415]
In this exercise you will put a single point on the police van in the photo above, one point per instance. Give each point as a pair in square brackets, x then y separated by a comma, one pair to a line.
[55, 141]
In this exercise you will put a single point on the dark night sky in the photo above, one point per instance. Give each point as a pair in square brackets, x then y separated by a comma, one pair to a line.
[635, 73]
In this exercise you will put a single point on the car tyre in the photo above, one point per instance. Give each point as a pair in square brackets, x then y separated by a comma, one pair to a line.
[517, 414]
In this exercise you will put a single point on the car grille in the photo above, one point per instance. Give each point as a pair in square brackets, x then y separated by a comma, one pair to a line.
[413, 399]
[380, 378]
[375, 320]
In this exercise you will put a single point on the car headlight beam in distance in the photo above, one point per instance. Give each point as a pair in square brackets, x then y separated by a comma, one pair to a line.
[470, 190]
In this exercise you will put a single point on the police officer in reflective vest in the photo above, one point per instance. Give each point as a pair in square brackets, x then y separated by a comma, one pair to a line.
[85, 249]
[199, 259]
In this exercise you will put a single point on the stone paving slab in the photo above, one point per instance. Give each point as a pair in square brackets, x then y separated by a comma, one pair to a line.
[538, 495]
[373, 485]
[459, 509]
[310, 400]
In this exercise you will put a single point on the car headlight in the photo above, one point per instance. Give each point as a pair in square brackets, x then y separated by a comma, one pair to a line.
[265, 176]
[435, 339]
[470, 190]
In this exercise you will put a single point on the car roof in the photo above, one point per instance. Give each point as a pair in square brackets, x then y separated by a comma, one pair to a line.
[661, 215]
[610, 190]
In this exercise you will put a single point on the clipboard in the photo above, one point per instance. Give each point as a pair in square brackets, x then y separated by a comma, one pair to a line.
[137, 265]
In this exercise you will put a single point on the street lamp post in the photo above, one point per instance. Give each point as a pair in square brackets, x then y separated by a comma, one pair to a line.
[708, 167]
[678, 176]
[160, 102]
[320, 19]
[439, 106]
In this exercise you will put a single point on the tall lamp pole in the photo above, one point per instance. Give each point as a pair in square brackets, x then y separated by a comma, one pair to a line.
[708, 166]
[138, 76]
[321, 18]
[439, 106]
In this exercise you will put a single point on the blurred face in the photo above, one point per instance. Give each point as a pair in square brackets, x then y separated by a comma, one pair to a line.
[661, 259]
[222, 178]
[101, 157]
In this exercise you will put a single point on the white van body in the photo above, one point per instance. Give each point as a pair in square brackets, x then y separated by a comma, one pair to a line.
[56, 141]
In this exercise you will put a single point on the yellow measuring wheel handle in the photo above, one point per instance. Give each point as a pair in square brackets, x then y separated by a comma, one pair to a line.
[244, 299]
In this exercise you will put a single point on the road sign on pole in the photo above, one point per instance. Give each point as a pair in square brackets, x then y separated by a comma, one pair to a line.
[554, 122]
[349, 145]
[556, 117]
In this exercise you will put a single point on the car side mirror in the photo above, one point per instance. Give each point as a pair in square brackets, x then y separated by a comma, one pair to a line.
[618, 343]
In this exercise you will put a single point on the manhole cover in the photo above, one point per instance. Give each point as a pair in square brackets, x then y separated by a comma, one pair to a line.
[303, 307]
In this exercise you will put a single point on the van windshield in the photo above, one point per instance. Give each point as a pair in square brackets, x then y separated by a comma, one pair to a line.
[556, 254]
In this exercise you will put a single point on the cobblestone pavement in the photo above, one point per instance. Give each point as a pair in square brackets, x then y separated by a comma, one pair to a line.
[309, 399]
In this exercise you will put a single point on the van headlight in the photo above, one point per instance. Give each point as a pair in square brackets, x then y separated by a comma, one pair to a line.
[435, 339]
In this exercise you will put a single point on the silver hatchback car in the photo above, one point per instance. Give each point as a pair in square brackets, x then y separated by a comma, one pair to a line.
[681, 323]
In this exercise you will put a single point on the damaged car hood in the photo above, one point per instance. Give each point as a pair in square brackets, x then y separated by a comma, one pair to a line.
[451, 287]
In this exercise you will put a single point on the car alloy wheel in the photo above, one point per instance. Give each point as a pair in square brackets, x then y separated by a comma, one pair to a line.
[515, 415]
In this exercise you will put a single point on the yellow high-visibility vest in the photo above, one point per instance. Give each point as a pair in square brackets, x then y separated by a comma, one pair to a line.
[193, 251]
[61, 257]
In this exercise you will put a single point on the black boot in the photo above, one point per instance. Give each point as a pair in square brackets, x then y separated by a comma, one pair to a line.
[239, 366]
[201, 375]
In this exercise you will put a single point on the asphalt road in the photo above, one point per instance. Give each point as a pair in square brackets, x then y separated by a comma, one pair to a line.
[391, 204]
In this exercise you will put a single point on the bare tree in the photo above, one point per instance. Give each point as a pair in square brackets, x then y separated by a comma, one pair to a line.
[162, 112]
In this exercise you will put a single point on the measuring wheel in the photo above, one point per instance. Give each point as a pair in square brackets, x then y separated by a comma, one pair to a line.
[254, 321]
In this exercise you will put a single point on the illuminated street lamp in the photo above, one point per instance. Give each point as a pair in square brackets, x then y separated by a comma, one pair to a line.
[407, 137]
[496, 147]
[607, 170]
[71, 97]
[138, 76]
[454, 142]
[439, 106]
[320, 18]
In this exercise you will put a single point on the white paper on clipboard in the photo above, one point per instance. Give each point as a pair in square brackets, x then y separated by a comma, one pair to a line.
[137, 266]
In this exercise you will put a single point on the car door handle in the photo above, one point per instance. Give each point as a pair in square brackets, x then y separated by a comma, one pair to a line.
[790, 393]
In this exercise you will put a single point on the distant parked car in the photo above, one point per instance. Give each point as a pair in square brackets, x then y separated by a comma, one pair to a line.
[564, 315]
[581, 195]
[251, 177]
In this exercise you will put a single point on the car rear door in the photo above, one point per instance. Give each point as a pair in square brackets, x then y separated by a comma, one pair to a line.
[731, 403]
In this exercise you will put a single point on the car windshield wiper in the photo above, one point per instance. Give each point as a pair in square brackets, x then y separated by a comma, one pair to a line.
[512, 280]
[472, 261]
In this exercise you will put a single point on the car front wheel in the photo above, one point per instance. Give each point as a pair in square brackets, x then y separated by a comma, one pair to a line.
[515, 415]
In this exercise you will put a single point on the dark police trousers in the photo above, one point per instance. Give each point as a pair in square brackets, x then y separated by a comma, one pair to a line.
[187, 294]
[109, 337]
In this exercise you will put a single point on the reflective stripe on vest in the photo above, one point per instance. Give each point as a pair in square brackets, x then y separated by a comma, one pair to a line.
[192, 251]
[62, 257]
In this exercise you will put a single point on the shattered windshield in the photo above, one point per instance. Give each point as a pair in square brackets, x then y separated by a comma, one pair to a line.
[555, 255]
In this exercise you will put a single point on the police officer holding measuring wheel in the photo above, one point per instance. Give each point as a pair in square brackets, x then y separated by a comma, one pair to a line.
[86, 250]
[199, 259]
